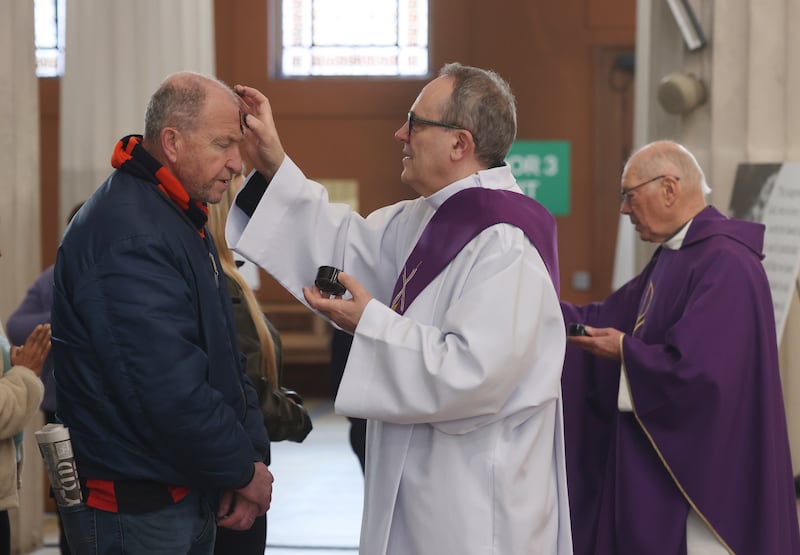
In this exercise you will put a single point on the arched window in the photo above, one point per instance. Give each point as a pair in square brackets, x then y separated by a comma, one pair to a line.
[353, 38]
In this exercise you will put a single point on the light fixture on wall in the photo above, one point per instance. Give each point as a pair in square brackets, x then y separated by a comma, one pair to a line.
[690, 29]
[680, 93]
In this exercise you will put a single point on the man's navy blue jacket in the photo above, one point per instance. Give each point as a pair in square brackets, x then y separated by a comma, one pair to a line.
[150, 380]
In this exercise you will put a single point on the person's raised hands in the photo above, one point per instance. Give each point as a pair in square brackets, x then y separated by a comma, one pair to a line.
[261, 141]
[33, 353]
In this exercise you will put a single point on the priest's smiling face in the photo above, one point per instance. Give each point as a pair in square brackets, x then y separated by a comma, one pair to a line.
[427, 141]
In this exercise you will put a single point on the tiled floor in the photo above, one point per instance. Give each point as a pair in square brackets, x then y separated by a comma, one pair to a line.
[317, 495]
[318, 490]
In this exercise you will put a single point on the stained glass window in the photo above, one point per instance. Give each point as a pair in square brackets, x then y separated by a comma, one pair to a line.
[354, 37]
[49, 37]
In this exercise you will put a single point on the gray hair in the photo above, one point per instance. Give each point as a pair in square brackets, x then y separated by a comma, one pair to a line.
[483, 103]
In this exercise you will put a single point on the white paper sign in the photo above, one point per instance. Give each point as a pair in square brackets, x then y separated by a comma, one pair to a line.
[781, 215]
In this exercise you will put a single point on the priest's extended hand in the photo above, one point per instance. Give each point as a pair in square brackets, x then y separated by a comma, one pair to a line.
[262, 144]
[345, 313]
[601, 342]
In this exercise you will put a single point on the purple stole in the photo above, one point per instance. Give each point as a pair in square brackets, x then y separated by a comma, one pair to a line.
[459, 220]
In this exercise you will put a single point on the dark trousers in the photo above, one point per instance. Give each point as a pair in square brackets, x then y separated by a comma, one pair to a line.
[242, 542]
[5, 534]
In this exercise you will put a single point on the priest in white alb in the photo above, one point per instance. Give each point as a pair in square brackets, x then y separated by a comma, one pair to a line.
[458, 337]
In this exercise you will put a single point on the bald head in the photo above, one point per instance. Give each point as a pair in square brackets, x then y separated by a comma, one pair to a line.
[669, 157]
[179, 102]
[673, 190]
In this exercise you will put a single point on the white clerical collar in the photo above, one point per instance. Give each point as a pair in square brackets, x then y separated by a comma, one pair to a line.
[675, 242]
[492, 178]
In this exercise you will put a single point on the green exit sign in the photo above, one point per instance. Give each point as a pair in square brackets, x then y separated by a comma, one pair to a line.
[542, 171]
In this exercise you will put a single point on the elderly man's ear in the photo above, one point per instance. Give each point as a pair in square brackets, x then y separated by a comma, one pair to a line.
[670, 190]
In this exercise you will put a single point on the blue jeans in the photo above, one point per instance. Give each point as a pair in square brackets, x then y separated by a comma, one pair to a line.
[187, 527]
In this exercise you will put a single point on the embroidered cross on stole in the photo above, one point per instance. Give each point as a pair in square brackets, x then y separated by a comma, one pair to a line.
[399, 300]
[459, 220]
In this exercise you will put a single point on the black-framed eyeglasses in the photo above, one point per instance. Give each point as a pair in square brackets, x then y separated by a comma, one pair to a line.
[413, 118]
[625, 194]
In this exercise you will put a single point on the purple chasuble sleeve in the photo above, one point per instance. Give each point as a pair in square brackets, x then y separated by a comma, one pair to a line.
[460, 219]
[589, 389]
[708, 432]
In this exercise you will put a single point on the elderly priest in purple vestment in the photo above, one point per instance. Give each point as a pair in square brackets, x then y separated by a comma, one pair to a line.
[458, 338]
[675, 426]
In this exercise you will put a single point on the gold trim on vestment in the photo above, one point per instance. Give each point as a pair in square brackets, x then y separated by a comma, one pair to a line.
[645, 304]
[658, 451]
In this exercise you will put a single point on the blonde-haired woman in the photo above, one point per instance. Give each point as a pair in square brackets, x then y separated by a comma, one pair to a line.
[284, 415]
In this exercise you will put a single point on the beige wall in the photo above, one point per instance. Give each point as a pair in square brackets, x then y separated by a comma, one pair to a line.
[19, 155]
[20, 236]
